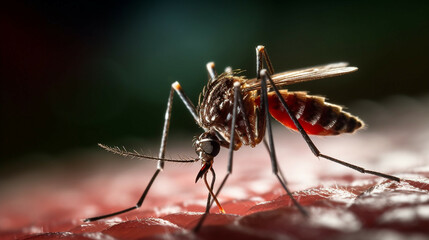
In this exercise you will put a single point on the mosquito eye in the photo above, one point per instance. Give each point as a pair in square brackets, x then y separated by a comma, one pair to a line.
[211, 148]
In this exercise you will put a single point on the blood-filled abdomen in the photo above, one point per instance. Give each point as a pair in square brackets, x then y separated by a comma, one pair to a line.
[315, 115]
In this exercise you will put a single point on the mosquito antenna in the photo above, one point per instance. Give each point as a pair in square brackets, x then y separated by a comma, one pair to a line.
[135, 154]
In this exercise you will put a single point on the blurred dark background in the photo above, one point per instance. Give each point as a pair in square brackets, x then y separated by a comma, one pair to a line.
[75, 73]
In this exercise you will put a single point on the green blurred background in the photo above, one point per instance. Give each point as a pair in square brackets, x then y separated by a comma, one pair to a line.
[75, 73]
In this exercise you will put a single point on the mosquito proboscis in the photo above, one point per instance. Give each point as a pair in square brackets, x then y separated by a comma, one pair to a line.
[235, 111]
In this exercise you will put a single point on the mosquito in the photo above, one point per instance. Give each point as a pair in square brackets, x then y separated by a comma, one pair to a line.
[234, 111]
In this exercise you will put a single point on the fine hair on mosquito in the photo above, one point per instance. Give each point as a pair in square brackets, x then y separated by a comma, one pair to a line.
[234, 111]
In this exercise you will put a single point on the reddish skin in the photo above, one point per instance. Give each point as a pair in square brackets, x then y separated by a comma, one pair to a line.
[344, 205]
[267, 220]
[270, 216]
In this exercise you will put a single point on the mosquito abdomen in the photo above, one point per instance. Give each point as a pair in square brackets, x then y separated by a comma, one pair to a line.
[315, 115]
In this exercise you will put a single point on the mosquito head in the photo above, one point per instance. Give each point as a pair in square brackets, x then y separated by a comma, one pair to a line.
[207, 147]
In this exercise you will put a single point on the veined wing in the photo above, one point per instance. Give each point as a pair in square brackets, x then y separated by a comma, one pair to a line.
[303, 75]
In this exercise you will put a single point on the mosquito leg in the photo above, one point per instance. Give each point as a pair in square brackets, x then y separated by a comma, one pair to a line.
[211, 186]
[278, 167]
[210, 189]
[175, 87]
[228, 70]
[212, 71]
[237, 93]
[239, 99]
[274, 163]
[261, 54]
[189, 105]
[310, 143]
[139, 203]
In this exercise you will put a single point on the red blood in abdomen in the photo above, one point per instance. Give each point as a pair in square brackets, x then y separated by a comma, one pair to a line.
[279, 113]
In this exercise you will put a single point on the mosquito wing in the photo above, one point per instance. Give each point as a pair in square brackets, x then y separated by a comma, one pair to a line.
[303, 75]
